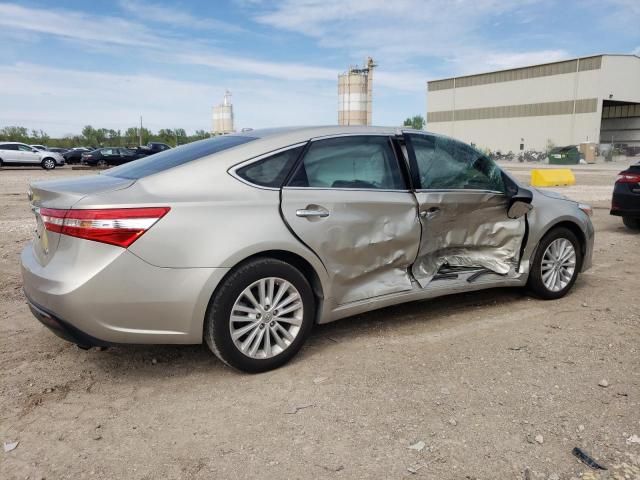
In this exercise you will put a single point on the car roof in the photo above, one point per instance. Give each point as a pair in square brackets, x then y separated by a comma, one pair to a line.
[317, 131]
[14, 143]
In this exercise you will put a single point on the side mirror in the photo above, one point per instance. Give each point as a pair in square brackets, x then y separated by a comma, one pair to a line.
[520, 203]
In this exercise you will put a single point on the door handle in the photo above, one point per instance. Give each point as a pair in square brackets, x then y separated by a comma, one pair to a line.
[312, 212]
[431, 213]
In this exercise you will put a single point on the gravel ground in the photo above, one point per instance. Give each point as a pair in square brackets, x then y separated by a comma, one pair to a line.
[486, 385]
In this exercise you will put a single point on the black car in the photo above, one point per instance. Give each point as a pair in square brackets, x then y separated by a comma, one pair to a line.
[75, 154]
[109, 156]
[626, 197]
[152, 148]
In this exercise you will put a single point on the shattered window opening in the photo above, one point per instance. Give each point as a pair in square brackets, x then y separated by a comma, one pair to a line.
[446, 164]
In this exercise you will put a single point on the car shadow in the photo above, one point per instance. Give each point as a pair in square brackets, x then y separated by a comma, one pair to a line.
[141, 362]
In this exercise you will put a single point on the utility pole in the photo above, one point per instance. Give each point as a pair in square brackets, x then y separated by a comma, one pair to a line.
[140, 132]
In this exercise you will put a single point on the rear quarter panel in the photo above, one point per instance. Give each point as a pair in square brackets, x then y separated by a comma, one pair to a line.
[215, 221]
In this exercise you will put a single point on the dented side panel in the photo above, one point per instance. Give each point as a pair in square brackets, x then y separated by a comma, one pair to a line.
[367, 242]
[467, 229]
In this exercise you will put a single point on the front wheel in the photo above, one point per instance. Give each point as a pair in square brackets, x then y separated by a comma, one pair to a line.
[260, 315]
[631, 223]
[556, 264]
[48, 164]
[102, 164]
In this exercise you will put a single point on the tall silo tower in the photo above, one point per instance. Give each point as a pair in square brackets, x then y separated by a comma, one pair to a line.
[355, 89]
[223, 116]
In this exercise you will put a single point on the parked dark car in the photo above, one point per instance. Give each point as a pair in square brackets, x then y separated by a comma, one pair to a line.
[109, 156]
[152, 148]
[75, 154]
[626, 197]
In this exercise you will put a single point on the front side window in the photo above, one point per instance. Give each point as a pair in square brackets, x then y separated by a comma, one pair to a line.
[271, 171]
[359, 162]
[447, 164]
[25, 148]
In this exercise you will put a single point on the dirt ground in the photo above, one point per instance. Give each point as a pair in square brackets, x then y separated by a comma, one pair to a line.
[494, 384]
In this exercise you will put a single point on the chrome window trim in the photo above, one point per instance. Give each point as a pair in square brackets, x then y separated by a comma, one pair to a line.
[387, 190]
[452, 190]
[233, 170]
[391, 134]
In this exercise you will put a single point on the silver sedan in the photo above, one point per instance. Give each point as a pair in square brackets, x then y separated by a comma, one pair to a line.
[246, 241]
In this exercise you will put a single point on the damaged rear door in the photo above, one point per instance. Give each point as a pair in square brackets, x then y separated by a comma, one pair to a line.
[348, 201]
[463, 206]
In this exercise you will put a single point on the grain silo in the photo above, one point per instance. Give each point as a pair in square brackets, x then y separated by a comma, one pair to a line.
[354, 95]
[223, 116]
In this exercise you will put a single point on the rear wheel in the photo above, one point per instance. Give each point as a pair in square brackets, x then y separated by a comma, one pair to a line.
[102, 163]
[556, 264]
[631, 222]
[48, 164]
[260, 316]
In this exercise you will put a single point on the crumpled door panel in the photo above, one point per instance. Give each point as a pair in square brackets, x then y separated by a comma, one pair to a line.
[466, 229]
[367, 241]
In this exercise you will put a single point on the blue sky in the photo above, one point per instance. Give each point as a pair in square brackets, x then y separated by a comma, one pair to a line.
[69, 63]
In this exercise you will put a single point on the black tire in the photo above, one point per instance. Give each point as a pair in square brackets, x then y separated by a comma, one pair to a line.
[535, 283]
[0, 163]
[102, 164]
[631, 223]
[48, 163]
[217, 332]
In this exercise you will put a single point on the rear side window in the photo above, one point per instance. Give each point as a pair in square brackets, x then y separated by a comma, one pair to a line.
[177, 156]
[271, 171]
[9, 146]
[358, 162]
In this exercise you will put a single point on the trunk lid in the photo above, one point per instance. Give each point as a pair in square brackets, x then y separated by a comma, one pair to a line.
[64, 194]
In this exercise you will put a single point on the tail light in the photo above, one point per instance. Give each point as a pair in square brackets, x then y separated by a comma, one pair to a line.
[116, 226]
[628, 177]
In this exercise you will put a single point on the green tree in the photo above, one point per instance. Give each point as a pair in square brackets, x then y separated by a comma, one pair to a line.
[416, 122]
[14, 134]
[97, 137]
[200, 135]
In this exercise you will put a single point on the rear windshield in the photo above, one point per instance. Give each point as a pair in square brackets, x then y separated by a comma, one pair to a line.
[176, 156]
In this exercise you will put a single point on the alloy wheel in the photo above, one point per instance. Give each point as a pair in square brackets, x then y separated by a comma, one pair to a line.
[558, 264]
[49, 164]
[266, 318]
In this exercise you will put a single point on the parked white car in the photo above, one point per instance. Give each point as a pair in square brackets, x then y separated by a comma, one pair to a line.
[16, 153]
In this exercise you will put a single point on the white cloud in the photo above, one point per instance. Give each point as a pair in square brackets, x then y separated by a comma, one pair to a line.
[61, 101]
[176, 16]
[399, 29]
[75, 25]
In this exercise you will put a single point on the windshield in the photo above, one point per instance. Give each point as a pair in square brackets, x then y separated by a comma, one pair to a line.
[176, 156]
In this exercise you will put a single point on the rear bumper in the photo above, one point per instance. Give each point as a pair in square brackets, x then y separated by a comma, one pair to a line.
[63, 329]
[97, 294]
[625, 201]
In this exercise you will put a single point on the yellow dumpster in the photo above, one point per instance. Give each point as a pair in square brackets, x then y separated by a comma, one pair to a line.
[552, 177]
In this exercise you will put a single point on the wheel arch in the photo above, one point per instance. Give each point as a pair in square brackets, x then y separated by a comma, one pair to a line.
[574, 228]
[289, 257]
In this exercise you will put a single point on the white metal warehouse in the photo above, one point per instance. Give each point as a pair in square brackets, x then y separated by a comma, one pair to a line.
[590, 99]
